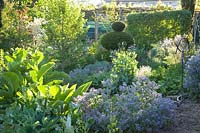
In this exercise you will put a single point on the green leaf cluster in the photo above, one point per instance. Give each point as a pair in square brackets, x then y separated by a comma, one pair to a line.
[124, 67]
[32, 97]
[23, 69]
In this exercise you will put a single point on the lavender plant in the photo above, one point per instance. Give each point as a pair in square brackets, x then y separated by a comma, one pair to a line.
[137, 107]
[192, 80]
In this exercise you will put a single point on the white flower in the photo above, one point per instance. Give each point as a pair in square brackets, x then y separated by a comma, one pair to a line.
[35, 27]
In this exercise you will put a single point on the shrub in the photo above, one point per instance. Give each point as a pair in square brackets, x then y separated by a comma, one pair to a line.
[144, 71]
[99, 52]
[148, 28]
[44, 111]
[90, 72]
[124, 67]
[11, 35]
[24, 66]
[113, 40]
[169, 79]
[166, 63]
[137, 107]
[192, 80]
[118, 26]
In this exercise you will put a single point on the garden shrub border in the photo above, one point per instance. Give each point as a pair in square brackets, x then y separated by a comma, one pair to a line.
[151, 27]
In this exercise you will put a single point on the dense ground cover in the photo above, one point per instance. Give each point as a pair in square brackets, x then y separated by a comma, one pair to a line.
[53, 79]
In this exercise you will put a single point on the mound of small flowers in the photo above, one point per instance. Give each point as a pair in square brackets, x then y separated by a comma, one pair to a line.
[192, 80]
[136, 107]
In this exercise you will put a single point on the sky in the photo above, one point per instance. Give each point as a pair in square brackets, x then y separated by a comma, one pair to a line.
[94, 2]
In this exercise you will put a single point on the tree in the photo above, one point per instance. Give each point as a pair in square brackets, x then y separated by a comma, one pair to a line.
[15, 19]
[1, 8]
[188, 4]
[65, 24]
[23, 3]
[13, 31]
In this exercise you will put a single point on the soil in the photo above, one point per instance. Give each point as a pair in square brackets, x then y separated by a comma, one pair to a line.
[187, 118]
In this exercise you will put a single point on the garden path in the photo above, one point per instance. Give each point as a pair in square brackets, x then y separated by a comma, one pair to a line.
[187, 119]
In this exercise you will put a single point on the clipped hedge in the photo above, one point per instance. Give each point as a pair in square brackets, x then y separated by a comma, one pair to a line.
[113, 40]
[148, 28]
[118, 26]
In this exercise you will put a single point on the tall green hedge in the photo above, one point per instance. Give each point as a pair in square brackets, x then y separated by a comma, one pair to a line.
[148, 28]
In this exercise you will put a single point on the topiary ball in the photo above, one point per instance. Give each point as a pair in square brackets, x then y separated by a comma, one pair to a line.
[113, 40]
[118, 26]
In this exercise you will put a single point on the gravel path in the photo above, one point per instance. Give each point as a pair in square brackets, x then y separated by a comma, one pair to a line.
[187, 119]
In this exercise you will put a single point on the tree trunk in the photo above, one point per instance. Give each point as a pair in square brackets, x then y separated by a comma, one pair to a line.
[188, 5]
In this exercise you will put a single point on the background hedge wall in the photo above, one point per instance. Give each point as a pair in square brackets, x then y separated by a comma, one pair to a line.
[148, 28]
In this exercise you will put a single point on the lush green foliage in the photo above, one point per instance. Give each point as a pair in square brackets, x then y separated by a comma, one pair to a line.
[25, 68]
[65, 25]
[188, 4]
[99, 52]
[124, 67]
[169, 79]
[32, 95]
[118, 26]
[35, 98]
[192, 80]
[115, 40]
[58, 33]
[166, 63]
[136, 108]
[148, 28]
[14, 32]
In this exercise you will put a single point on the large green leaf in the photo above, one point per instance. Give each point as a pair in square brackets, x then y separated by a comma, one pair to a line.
[43, 90]
[55, 75]
[82, 88]
[11, 80]
[20, 55]
[9, 59]
[34, 75]
[70, 93]
[62, 95]
[54, 90]
[37, 57]
[44, 69]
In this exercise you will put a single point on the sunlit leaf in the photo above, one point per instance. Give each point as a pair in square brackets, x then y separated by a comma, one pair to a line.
[12, 80]
[70, 93]
[82, 88]
[43, 90]
[54, 90]
[44, 69]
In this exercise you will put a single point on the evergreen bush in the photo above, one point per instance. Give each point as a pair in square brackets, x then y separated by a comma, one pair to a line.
[118, 26]
[114, 40]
